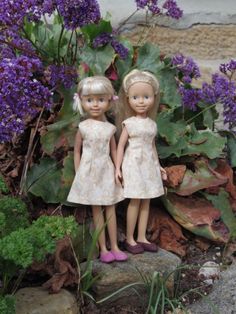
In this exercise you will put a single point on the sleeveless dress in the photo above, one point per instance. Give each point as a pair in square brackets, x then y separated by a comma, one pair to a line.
[140, 167]
[94, 182]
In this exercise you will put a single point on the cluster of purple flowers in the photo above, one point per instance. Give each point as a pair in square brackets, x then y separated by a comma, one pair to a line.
[187, 69]
[21, 94]
[221, 90]
[105, 38]
[169, 7]
[77, 13]
[61, 75]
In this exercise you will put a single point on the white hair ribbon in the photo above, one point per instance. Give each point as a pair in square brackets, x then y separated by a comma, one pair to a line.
[77, 104]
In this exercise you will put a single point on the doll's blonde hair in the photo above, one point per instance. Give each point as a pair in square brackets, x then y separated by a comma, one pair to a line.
[136, 76]
[94, 85]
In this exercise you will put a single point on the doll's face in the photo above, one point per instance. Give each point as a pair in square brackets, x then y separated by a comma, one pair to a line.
[95, 105]
[141, 98]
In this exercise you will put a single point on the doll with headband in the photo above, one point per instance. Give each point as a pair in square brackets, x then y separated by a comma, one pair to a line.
[94, 183]
[141, 173]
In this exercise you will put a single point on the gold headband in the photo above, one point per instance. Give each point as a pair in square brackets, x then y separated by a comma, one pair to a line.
[137, 79]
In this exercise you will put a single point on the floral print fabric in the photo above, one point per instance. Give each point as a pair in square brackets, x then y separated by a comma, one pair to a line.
[94, 182]
[140, 168]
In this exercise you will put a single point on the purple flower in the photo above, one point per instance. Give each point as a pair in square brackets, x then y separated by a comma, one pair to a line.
[186, 67]
[13, 12]
[102, 39]
[228, 68]
[77, 13]
[61, 75]
[105, 38]
[172, 9]
[120, 49]
[22, 95]
[190, 97]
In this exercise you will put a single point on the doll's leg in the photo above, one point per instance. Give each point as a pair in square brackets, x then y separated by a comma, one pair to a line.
[143, 220]
[98, 220]
[132, 216]
[112, 226]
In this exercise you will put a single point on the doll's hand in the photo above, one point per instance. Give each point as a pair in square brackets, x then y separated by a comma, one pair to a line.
[118, 177]
[163, 174]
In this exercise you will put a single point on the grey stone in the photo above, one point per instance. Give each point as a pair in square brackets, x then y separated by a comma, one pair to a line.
[117, 275]
[222, 298]
[37, 300]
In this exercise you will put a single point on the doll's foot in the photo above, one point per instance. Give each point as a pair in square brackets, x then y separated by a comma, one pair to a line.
[119, 256]
[107, 257]
[134, 249]
[149, 247]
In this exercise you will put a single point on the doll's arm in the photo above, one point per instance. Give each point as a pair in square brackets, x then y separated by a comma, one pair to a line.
[163, 172]
[113, 149]
[77, 149]
[120, 153]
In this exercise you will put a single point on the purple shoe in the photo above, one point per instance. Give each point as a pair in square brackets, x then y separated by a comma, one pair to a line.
[149, 247]
[107, 257]
[133, 249]
[119, 256]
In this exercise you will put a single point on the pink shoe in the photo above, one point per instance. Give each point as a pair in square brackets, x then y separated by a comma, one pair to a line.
[119, 256]
[107, 257]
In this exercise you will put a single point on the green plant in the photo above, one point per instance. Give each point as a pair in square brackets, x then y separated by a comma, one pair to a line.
[7, 304]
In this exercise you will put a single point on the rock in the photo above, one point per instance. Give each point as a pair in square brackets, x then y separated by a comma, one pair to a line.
[38, 301]
[209, 272]
[223, 297]
[117, 275]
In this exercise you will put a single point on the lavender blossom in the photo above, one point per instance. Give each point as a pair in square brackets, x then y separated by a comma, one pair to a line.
[21, 94]
[77, 13]
[120, 49]
[172, 9]
[186, 67]
[190, 97]
[102, 40]
[61, 75]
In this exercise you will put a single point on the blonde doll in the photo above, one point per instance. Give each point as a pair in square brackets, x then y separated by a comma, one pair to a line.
[94, 182]
[141, 172]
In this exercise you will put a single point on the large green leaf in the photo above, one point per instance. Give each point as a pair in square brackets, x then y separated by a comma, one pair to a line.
[168, 87]
[67, 177]
[203, 177]
[221, 202]
[149, 58]
[44, 180]
[231, 143]
[196, 215]
[124, 66]
[99, 59]
[91, 31]
[205, 143]
[62, 132]
[170, 131]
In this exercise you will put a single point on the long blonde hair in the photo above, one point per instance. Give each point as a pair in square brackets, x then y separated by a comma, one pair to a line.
[94, 85]
[136, 76]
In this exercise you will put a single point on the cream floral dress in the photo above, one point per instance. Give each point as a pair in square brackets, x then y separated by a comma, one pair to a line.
[94, 182]
[140, 167]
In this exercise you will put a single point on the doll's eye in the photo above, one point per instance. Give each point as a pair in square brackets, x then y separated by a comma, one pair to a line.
[101, 99]
[134, 97]
[146, 96]
[89, 99]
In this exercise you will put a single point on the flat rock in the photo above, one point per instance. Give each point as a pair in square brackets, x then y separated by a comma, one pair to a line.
[222, 300]
[119, 274]
[37, 300]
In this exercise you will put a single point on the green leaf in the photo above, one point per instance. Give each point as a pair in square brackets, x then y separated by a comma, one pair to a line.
[168, 87]
[231, 143]
[172, 132]
[124, 66]
[99, 59]
[205, 143]
[176, 149]
[91, 31]
[149, 58]
[67, 177]
[44, 180]
[196, 215]
[221, 202]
